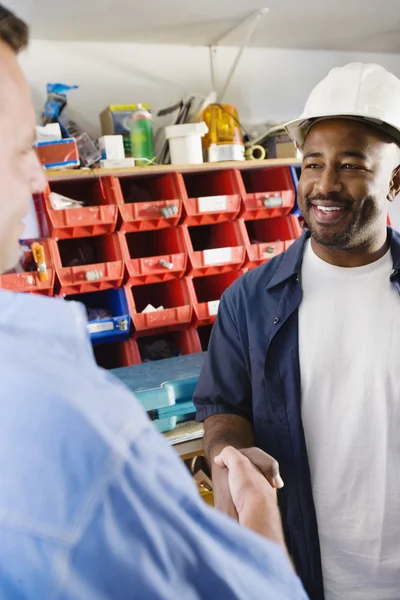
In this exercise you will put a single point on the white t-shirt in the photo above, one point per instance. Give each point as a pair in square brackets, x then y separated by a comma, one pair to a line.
[349, 345]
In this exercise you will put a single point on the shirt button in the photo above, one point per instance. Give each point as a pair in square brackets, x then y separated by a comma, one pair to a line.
[276, 320]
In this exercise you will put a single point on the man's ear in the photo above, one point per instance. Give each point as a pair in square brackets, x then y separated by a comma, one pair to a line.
[394, 186]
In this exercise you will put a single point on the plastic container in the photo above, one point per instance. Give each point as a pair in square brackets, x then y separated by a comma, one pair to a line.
[211, 197]
[97, 218]
[206, 293]
[117, 354]
[168, 345]
[267, 192]
[185, 143]
[154, 256]
[173, 296]
[115, 324]
[150, 202]
[29, 281]
[214, 249]
[88, 264]
[267, 238]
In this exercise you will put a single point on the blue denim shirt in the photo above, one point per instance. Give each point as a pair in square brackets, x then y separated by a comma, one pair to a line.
[94, 505]
[252, 370]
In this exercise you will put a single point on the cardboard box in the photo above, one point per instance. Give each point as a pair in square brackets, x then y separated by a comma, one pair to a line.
[279, 144]
[59, 154]
[111, 147]
[114, 120]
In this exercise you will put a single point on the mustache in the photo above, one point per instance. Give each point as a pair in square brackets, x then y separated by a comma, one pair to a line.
[332, 197]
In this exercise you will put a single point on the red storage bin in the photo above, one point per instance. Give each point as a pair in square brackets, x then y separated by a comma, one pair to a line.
[214, 248]
[206, 293]
[97, 218]
[29, 281]
[267, 192]
[117, 354]
[169, 344]
[172, 295]
[153, 256]
[204, 333]
[88, 264]
[212, 197]
[150, 202]
[267, 238]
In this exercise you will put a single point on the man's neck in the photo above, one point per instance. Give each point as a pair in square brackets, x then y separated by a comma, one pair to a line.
[358, 257]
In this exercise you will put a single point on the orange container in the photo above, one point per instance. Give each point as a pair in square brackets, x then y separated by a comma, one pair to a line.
[206, 293]
[97, 218]
[184, 342]
[174, 298]
[88, 264]
[154, 256]
[267, 238]
[211, 197]
[117, 354]
[150, 202]
[214, 249]
[29, 281]
[267, 192]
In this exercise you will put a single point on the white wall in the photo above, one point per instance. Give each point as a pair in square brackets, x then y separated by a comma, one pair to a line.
[270, 85]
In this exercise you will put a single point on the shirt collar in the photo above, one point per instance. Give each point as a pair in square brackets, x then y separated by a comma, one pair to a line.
[292, 259]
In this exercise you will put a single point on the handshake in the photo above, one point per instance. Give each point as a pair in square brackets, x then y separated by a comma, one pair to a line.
[245, 484]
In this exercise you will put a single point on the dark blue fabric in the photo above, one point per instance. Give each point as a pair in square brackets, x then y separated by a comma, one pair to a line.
[253, 370]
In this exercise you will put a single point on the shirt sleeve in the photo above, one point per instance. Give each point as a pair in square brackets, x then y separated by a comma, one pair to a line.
[224, 385]
[150, 536]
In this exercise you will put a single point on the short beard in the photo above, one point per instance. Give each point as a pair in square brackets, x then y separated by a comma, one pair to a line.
[342, 240]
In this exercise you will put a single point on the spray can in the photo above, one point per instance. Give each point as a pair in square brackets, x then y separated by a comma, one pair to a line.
[141, 133]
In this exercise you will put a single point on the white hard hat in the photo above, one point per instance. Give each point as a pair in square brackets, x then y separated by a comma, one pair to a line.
[356, 91]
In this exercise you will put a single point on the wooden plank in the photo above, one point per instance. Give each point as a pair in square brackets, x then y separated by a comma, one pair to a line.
[71, 174]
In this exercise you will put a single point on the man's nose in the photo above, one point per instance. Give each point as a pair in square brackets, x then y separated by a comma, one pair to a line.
[38, 181]
[328, 181]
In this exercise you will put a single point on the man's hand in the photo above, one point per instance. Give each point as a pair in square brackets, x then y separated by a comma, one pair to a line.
[267, 465]
[253, 496]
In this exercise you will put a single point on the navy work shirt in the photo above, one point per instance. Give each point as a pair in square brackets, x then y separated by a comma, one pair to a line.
[253, 370]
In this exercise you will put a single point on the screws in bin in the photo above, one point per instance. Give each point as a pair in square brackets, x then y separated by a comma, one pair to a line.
[273, 201]
[93, 275]
[269, 250]
[166, 264]
[169, 211]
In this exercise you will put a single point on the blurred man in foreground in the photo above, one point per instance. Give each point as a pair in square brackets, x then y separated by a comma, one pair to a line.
[93, 503]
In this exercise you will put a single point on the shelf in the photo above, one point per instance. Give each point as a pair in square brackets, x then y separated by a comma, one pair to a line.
[59, 175]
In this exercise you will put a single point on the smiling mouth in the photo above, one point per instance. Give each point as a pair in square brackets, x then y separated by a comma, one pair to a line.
[328, 214]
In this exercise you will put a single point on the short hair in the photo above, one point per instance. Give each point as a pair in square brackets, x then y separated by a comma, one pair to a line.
[13, 31]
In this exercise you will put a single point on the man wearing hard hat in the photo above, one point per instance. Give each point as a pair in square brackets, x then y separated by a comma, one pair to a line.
[304, 360]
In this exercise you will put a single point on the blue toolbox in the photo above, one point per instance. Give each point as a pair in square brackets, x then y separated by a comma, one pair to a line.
[165, 388]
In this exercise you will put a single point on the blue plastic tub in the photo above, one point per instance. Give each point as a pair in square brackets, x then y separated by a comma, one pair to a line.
[112, 328]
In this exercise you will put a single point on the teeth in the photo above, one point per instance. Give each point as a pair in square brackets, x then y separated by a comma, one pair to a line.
[327, 209]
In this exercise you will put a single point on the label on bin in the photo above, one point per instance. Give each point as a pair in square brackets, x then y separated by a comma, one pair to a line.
[213, 203]
[213, 307]
[100, 326]
[217, 256]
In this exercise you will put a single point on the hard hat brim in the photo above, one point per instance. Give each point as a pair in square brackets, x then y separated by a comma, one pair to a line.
[298, 129]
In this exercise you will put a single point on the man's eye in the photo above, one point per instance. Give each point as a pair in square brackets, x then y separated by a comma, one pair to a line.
[349, 167]
[313, 166]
